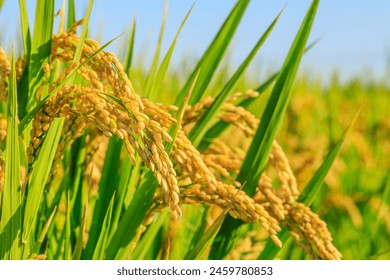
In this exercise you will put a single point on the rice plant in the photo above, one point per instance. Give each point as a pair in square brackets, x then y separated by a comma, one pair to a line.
[96, 168]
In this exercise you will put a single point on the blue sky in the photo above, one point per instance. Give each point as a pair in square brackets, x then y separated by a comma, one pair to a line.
[355, 34]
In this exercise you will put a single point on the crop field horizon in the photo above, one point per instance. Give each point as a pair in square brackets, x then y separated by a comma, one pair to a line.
[112, 156]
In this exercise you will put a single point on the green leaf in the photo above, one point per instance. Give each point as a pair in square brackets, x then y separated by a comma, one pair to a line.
[213, 55]
[26, 39]
[144, 246]
[197, 253]
[258, 153]
[216, 130]
[107, 188]
[201, 126]
[11, 220]
[156, 57]
[158, 78]
[40, 47]
[120, 243]
[130, 49]
[71, 14]
[37, 182]
[101, 244]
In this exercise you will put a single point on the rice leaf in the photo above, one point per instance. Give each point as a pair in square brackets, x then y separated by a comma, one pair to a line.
[101, 244]
[207, 239]
[40, 47]
[26, 39]
[257, 155]
[213, 55]
[160, 74]
[144, 246]
[11, 207]
[201, 126]
[153, 69]
[127, 169]
[43, 233]
[217, 129]
[25, 27]
[130, 49]
[120, 243]
[38, 179]
[71, 18]
[179, 117]
[107, 188]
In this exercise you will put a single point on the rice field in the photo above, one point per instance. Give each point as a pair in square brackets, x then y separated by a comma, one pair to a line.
[104, 160]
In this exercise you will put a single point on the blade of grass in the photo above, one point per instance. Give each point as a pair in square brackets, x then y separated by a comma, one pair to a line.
[257, 155]
[207, 239]
[101, 244]
[11, 219]
[43, 233]
[40, 47]
[144, 246]
[119, 245]
[26, 38]
[107, 188]
[217, 129]
[201, 126]
[71, 14]
[38, 178]
[213, 55]
[160, 74]
[130, 49]
[25, 27]
[153, 69]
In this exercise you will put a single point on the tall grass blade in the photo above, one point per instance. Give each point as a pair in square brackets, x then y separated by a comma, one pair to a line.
[217, 129]
[120, 243]
[257, 155]
[11, 212]
[71, 18]
[40, 47]
[160, 74]
[38, 179]
[213, 55]
[130, 49]
[101, 244]
[107, 188]
[156, 57]
[145, 245]
[207, 239]
[26, 39]
[200, 128]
